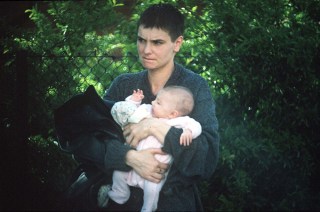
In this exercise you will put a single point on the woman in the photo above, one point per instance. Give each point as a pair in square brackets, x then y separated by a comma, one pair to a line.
[160, 37]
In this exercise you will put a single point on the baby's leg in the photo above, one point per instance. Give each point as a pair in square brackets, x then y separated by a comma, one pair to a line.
[120, 191]
[151, 195]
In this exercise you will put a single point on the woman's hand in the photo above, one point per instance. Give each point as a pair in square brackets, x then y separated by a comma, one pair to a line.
[134, 133]
[146, 165]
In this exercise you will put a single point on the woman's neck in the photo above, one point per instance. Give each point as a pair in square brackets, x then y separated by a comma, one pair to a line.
[158, 78]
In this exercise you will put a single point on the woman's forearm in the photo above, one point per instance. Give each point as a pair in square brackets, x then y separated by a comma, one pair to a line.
[159, 129]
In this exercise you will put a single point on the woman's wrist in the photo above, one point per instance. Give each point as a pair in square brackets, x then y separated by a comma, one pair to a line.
[130, 157]
[158, 129]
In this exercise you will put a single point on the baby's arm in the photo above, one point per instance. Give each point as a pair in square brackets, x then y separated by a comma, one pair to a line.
[186, 137]
[137, 95]
[191, 130]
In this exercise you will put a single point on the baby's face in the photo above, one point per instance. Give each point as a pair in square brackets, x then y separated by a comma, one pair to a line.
[163, 105]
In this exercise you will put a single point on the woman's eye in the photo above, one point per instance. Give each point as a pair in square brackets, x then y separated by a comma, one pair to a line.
[157, 42]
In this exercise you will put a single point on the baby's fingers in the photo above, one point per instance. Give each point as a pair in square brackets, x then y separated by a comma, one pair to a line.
[183, 140]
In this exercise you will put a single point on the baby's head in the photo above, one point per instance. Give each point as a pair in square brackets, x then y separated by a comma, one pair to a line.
[172, 102]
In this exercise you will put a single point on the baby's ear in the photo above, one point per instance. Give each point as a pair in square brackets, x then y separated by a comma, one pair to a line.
[174, 114]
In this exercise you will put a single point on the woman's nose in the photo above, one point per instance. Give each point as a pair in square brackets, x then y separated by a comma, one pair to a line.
[147, 48]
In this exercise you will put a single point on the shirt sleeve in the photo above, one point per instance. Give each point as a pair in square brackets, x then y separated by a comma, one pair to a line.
[116, 151]
[115, 156]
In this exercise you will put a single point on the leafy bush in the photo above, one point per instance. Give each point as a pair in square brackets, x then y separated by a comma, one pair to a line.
[50, 169]
[260, 168]
[267, 82]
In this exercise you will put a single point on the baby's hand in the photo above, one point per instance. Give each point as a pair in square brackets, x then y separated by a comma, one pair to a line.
[186, 137]
[137, 95]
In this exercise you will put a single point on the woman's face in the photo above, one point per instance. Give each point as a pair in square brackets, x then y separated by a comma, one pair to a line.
[155, 48]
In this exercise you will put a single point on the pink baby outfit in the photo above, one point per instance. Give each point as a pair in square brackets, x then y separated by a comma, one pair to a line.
[120, 192]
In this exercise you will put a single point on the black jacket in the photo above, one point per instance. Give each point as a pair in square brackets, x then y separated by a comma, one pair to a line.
[85, 118]
[85, 129]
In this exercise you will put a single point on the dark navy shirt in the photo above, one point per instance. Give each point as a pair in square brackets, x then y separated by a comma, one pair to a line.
[191, 163]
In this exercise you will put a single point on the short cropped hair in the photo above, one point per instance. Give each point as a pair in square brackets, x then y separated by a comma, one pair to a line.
[163, 16]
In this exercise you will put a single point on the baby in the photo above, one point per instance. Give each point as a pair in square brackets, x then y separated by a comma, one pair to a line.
[173, 104]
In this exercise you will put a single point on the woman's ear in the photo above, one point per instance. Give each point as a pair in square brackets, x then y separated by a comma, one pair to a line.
[178, 43]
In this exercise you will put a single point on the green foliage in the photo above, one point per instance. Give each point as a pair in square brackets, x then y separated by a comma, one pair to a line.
[263, 66]
[49, 164]
[69, 53]
[260, 168]
[268, 53]
[50, 169]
